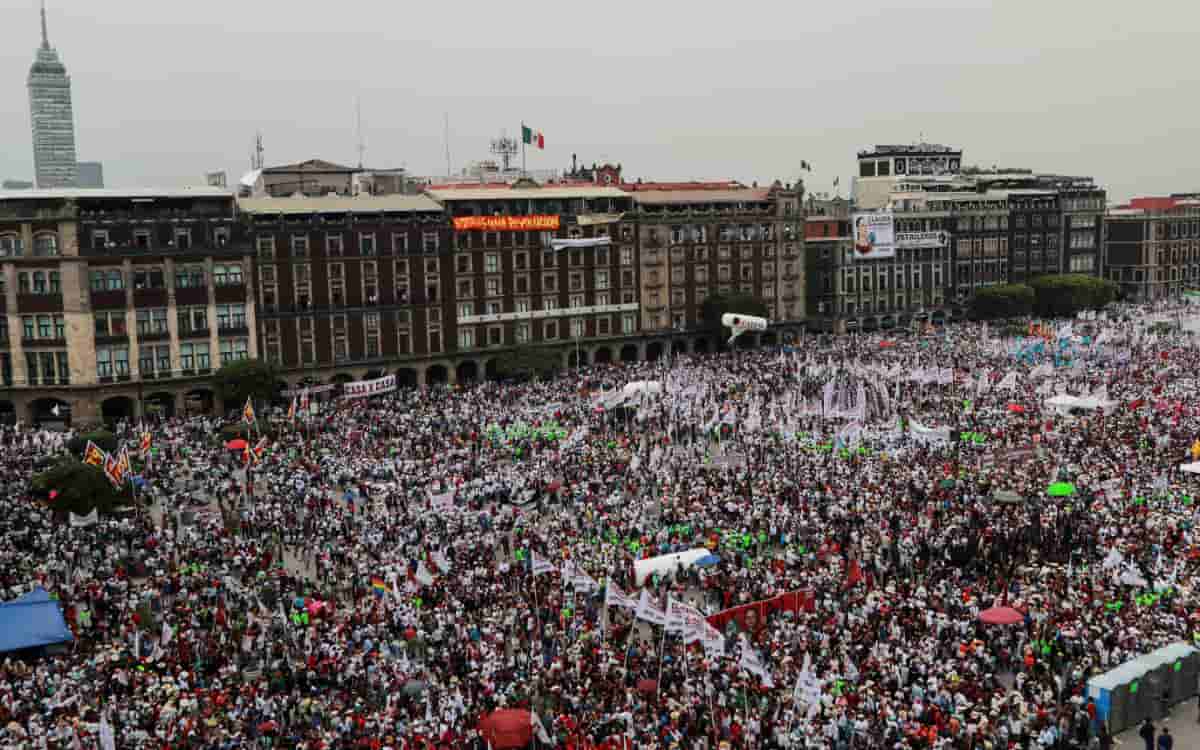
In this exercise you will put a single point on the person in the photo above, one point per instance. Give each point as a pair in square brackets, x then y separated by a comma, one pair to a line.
[1147, 733]
[1165, 740]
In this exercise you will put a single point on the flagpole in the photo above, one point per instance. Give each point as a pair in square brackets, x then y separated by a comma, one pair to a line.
[523, 173]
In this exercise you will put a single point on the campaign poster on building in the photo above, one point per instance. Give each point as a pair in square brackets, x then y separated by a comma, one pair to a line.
[874, 236]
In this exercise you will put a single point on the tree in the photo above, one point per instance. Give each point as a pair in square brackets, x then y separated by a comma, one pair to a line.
[716, 305]
[78, 488]
[245, 378]
[529, 361]
[103, 439]
[1063, 295]
[1005, 301]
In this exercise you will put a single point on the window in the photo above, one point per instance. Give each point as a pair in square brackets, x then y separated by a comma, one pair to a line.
[430, 242]
[493, 287]
[55, 282]
[45, 245]
[192, 319]
[491, 263]
[333, 244]
[231, 317]
[194, 356]
[399, 243]
[550, 330]
[299, 246]
[266, 247]
[521, 306]
[10, 246]
[116, 280]
[112, 360]
[466, 309]
[233, 349]
[141, 239]
[577, 300]
[628, 323]
[183, 238]
[627, 256]
[230, 275]
[548, 282]
[366, 243]
[466, 338]
[148, 278]
[152, 321]
[190, 277]
[522, 333]
[154, 360]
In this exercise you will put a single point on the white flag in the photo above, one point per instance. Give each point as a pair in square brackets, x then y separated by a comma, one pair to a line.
[540, 565]
[536, 723]
[439, 559]
[167, 633]
[107, 741]
[423, 576]
[615, 597]
[753, 663]
[649, 611]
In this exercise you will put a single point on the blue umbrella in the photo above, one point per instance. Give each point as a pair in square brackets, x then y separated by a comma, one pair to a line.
[707, 560]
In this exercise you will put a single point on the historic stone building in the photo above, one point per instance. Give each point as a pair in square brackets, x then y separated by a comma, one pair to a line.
[119, 302]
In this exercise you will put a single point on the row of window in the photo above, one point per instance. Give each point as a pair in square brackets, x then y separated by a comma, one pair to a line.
[113, 361]
[153, 321]
[12, 246]
[299, 244]
[47, 368]
[181, 239]
[153, 277]
[470, 337]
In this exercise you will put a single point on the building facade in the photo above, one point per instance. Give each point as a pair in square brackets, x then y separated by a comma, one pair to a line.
[52, 117]
[696, 240]
[350, 287]
[119, 303]
[1152, 247]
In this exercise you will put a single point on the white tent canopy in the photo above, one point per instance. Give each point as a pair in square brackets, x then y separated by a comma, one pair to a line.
[663, 564]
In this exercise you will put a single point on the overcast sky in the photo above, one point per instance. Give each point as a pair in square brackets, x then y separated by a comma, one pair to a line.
[165, 91]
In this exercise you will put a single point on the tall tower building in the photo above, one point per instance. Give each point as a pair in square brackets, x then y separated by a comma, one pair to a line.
[52, 117]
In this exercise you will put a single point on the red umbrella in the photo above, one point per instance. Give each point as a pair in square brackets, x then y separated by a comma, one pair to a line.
[236, 444]
[1016, 408]
[507, 728]
[1001, 616]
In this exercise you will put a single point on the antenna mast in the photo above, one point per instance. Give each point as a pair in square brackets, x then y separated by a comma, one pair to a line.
[505, 148]
[256, 158]
[446, 138]
[362, 146]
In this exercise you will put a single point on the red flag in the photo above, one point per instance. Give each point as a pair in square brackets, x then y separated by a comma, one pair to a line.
[853, 574]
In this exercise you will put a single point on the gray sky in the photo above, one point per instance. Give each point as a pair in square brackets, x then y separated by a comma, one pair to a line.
[165, 91]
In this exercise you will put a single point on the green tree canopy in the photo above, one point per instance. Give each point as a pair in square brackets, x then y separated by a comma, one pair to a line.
[1063, 295]
[716, 305]
[78, 488]
[245, 378]
[103, 439]
[1005, 301]
[529, 361]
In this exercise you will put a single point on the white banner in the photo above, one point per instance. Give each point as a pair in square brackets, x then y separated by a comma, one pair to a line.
[615, 597]
[89, 520]
[581, 242]
[312, 390]
[540, 565]
[374, 387]
[649, 611]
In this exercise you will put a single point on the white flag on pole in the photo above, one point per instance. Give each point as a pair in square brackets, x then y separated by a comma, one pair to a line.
[540, 565]
[753, 663]
[615, 597]
[649, 611]
[107, 740]
[423, 576]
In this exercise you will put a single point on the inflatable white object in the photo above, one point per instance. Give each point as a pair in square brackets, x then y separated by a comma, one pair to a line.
[741, 323]
[663, 564]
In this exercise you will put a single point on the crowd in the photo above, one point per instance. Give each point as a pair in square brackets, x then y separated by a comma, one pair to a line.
[396, 569]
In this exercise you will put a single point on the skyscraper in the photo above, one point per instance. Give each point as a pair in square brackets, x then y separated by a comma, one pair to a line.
[52, 117]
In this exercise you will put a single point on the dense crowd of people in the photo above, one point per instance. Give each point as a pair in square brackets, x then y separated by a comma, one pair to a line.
[399, 571]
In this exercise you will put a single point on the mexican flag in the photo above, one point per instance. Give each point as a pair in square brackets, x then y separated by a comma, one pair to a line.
[531, 137]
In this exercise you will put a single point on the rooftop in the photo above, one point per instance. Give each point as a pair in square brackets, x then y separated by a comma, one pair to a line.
[911, 148]
[668, 197]
[640, 187]
[478, 192]
[115, 193]
[339, 204]
[312, 165]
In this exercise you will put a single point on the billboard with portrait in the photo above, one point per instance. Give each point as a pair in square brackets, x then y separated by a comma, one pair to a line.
[874, 236]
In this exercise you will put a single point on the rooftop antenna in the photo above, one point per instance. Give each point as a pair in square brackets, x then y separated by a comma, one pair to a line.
[446, 138]
[506, 148]
[45, 34]
[362, 146]
[256, 156]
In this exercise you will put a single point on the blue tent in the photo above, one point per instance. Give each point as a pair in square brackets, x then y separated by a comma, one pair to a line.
[32, 621]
